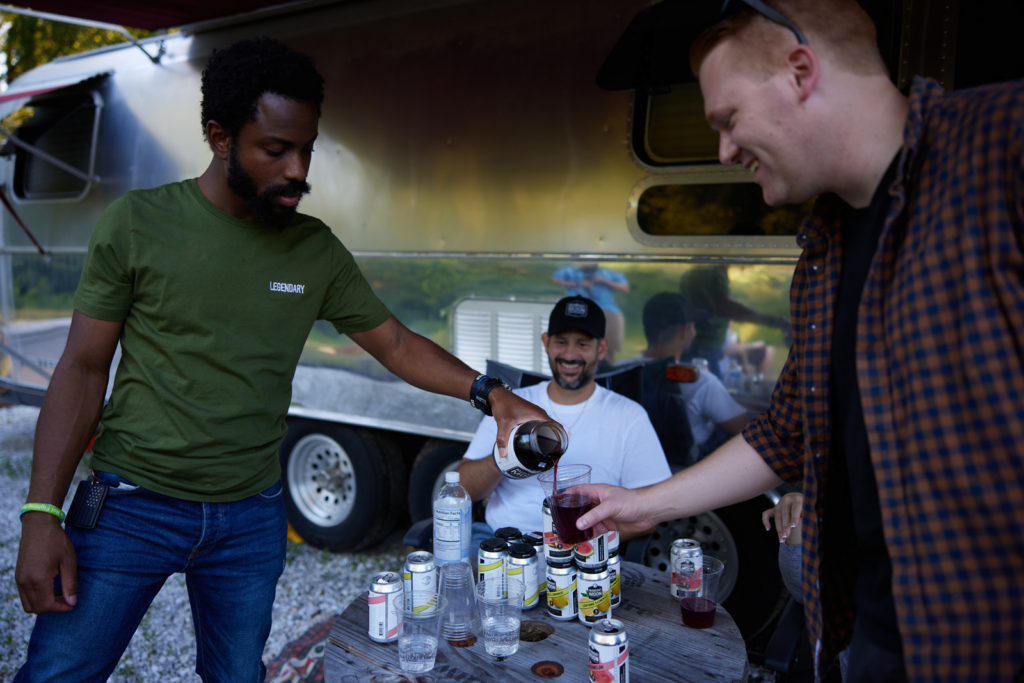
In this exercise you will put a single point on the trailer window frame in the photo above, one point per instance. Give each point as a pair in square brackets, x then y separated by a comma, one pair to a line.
[18, 175]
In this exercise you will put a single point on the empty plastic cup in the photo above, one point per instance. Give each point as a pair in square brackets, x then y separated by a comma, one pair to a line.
[461, 623]
[418, 630]
[499, 617]
[566, 507]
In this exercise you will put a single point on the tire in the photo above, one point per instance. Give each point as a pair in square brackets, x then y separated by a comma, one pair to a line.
[751, 587]
[426, 478]
[344, 487]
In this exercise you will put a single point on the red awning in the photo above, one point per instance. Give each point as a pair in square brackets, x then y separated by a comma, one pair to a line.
[150, 15]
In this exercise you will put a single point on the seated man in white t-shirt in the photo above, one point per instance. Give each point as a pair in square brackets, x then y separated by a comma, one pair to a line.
[607, 431]
[669, 325]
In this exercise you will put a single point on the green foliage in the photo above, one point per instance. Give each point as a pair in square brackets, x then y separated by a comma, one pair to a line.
[714, 210]
[41, 285]
[29, 42]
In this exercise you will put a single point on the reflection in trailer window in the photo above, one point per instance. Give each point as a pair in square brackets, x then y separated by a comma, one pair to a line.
[715, 209]
[64, 127]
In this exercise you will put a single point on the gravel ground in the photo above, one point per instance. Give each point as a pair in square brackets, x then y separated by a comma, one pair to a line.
[315, 584]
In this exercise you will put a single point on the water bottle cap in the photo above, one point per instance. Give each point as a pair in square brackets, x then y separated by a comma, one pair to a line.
[451, 477]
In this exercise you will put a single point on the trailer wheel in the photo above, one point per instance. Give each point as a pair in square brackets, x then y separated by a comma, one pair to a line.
[751, 587]
[426, 478]
[343, 486]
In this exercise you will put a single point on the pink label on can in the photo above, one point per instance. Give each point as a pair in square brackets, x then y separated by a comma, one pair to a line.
[605, 666]
[377, 600]
[689, 582]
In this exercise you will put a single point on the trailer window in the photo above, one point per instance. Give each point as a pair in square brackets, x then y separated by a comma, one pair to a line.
[715, 209]
[675, 129]
[64, 127]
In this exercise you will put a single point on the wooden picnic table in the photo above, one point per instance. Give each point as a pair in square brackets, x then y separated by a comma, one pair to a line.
[660, 647]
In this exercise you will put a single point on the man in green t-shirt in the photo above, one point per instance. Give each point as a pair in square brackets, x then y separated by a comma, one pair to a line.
[211, 285]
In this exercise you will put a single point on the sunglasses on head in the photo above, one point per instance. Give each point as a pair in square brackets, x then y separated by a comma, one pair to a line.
[767, 12]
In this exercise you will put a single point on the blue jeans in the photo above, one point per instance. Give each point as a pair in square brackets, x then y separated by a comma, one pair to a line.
[232, 555]
[481, 532]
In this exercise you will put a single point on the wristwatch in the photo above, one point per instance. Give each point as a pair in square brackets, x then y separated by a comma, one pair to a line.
[479, 391]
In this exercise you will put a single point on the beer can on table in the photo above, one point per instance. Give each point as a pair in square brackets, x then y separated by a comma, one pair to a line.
[609, 652]
[535, 539]
[592, 554]
[554, 549]
[595, 596]
[613, 543]
[384, 618]
[521, 563]
[563, 592]
[491, 567]
[509, 534]
[420, 576]
[614, 577]
[686, 556]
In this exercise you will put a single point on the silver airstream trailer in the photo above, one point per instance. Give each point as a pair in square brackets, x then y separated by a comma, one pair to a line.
[468, 151]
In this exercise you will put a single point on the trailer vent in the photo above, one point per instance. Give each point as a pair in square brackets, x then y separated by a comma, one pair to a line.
[66, 128]
[505, 331]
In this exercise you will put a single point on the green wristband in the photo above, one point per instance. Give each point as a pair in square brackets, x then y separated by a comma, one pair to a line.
[42, 507]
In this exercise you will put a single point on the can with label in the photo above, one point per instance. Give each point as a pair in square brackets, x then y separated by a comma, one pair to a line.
[563, 591]
[614, 567]
[418, 576]
[491, 566]
[686, 556]
[592, 554]
[595, 596]
[613, 543]
[554, 549]
[384, 617]
[509, 534]
[609, 652]
[521, 563]
[535, 539]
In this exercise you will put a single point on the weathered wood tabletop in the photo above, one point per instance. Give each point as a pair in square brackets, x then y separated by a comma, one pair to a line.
[660, 647]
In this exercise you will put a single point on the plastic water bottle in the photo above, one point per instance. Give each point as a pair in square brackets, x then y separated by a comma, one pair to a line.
[453, 522]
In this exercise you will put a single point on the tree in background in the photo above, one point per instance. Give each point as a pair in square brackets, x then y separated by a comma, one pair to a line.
[27, 42]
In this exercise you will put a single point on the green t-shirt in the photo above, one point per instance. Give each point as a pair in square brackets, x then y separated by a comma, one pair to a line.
[702, 285]
[216, 311]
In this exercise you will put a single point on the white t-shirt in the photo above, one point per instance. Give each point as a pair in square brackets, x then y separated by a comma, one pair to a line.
[608, 431]
[708, 403]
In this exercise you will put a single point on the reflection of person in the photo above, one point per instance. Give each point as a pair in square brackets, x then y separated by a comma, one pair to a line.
[754, 357]
[708, 288]
[607, 431]
[669, 325]
[599, 284]
[789, 527]
[179, 274]
[899, 409]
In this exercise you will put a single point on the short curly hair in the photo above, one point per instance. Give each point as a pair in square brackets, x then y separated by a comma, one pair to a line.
[236, 77]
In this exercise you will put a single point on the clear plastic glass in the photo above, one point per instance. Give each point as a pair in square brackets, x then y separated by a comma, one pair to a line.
[500, 618]
[567, 507]
[461, 624]
[418, 630]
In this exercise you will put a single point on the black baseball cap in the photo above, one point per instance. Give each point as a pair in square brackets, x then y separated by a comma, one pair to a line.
[668, 309]
[577, 313]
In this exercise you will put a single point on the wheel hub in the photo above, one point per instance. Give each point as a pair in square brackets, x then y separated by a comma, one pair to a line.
[321, 480]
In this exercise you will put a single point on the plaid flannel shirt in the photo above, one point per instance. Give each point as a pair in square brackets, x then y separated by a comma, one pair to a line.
[940, 367]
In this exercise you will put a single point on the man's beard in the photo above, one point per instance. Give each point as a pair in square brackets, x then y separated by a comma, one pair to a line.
[261, 204]
[584, 377]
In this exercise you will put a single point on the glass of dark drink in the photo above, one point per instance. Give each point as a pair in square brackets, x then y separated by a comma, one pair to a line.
[699, 604]
[566, 505]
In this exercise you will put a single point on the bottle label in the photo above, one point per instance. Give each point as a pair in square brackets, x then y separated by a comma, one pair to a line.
[450, 525]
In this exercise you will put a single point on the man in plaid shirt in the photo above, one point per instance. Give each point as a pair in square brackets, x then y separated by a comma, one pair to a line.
[901, 407]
